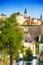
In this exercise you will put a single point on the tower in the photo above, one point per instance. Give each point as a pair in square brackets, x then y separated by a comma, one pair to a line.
[41, 17]
[25, 13]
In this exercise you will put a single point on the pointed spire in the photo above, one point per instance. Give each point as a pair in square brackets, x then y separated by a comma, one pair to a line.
[25, 10]
[25, 13]
[41, 17]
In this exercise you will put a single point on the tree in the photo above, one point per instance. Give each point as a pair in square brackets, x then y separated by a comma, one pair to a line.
[37, 47]
[29, 53]
[11, 37]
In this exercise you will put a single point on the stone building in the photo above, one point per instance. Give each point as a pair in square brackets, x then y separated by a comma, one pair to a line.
[41, 45]
[3, 16]
[27, 20]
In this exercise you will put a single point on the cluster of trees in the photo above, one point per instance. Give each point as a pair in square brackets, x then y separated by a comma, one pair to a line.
[11, 36]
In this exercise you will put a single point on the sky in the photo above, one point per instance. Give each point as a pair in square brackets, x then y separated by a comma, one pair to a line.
[34, 7]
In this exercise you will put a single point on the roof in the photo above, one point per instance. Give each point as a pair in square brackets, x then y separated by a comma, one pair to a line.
[3, 14]
[18, 13]
[27, 21]
[27, 39]
[27, 17]
[41, 41]
[36, 18]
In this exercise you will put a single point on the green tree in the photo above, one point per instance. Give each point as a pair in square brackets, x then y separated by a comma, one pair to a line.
[37, 47]
[11, 37]
[29, 53]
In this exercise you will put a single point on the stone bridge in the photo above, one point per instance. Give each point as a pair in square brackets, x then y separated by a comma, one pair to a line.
[35, 30]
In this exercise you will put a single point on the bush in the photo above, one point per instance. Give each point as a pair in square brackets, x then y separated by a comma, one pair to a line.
[28, 53]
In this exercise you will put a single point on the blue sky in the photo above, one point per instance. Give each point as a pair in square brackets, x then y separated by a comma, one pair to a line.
[34, 7]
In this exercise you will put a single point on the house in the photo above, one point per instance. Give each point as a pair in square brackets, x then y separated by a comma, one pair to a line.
[21, 18]
[29, 42]
[3, 17]
[27, 20]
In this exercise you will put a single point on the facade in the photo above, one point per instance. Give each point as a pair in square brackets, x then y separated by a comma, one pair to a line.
[27, 20]
[28, 41]
[41, 45]
[25, 13]
[29, 44]
[20, 18]
[32, 21]
[23, 19]
[2, 16]
[36, 21]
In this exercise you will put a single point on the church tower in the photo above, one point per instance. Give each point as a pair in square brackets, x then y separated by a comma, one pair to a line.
[25, 13]
[41, 17]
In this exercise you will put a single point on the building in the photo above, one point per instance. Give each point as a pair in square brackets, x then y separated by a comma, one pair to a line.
[32, 21]
[25, 19]
[21, 18]
[27, 40]
[3, 17]
[41, 45]
[25, 13]
[35, 21]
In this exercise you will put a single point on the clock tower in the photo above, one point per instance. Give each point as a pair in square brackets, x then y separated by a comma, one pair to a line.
[25, 13]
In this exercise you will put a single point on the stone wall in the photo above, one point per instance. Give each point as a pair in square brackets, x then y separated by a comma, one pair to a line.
[35, 31]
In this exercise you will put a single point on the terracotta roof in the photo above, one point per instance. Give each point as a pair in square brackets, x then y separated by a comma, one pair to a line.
[27, 21]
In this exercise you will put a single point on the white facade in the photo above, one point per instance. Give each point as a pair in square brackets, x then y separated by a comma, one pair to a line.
[31, 45]
[25, 15]
[39, 22]
[20, 19]
[35, 21]
[40, 47]
[2, 16]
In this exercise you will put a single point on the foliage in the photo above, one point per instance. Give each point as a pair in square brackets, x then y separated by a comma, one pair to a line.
[41, 52]
[11, 37]
[37, 47]
[28, 53]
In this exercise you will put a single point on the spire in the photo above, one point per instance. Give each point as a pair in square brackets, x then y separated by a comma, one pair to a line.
[41, 17]
[25, 10]
[25, 13]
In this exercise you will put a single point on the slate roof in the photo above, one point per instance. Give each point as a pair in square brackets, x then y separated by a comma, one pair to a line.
[18, 13]
[3, 14]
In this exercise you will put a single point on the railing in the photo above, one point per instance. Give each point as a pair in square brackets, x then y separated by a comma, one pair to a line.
[27, 63]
